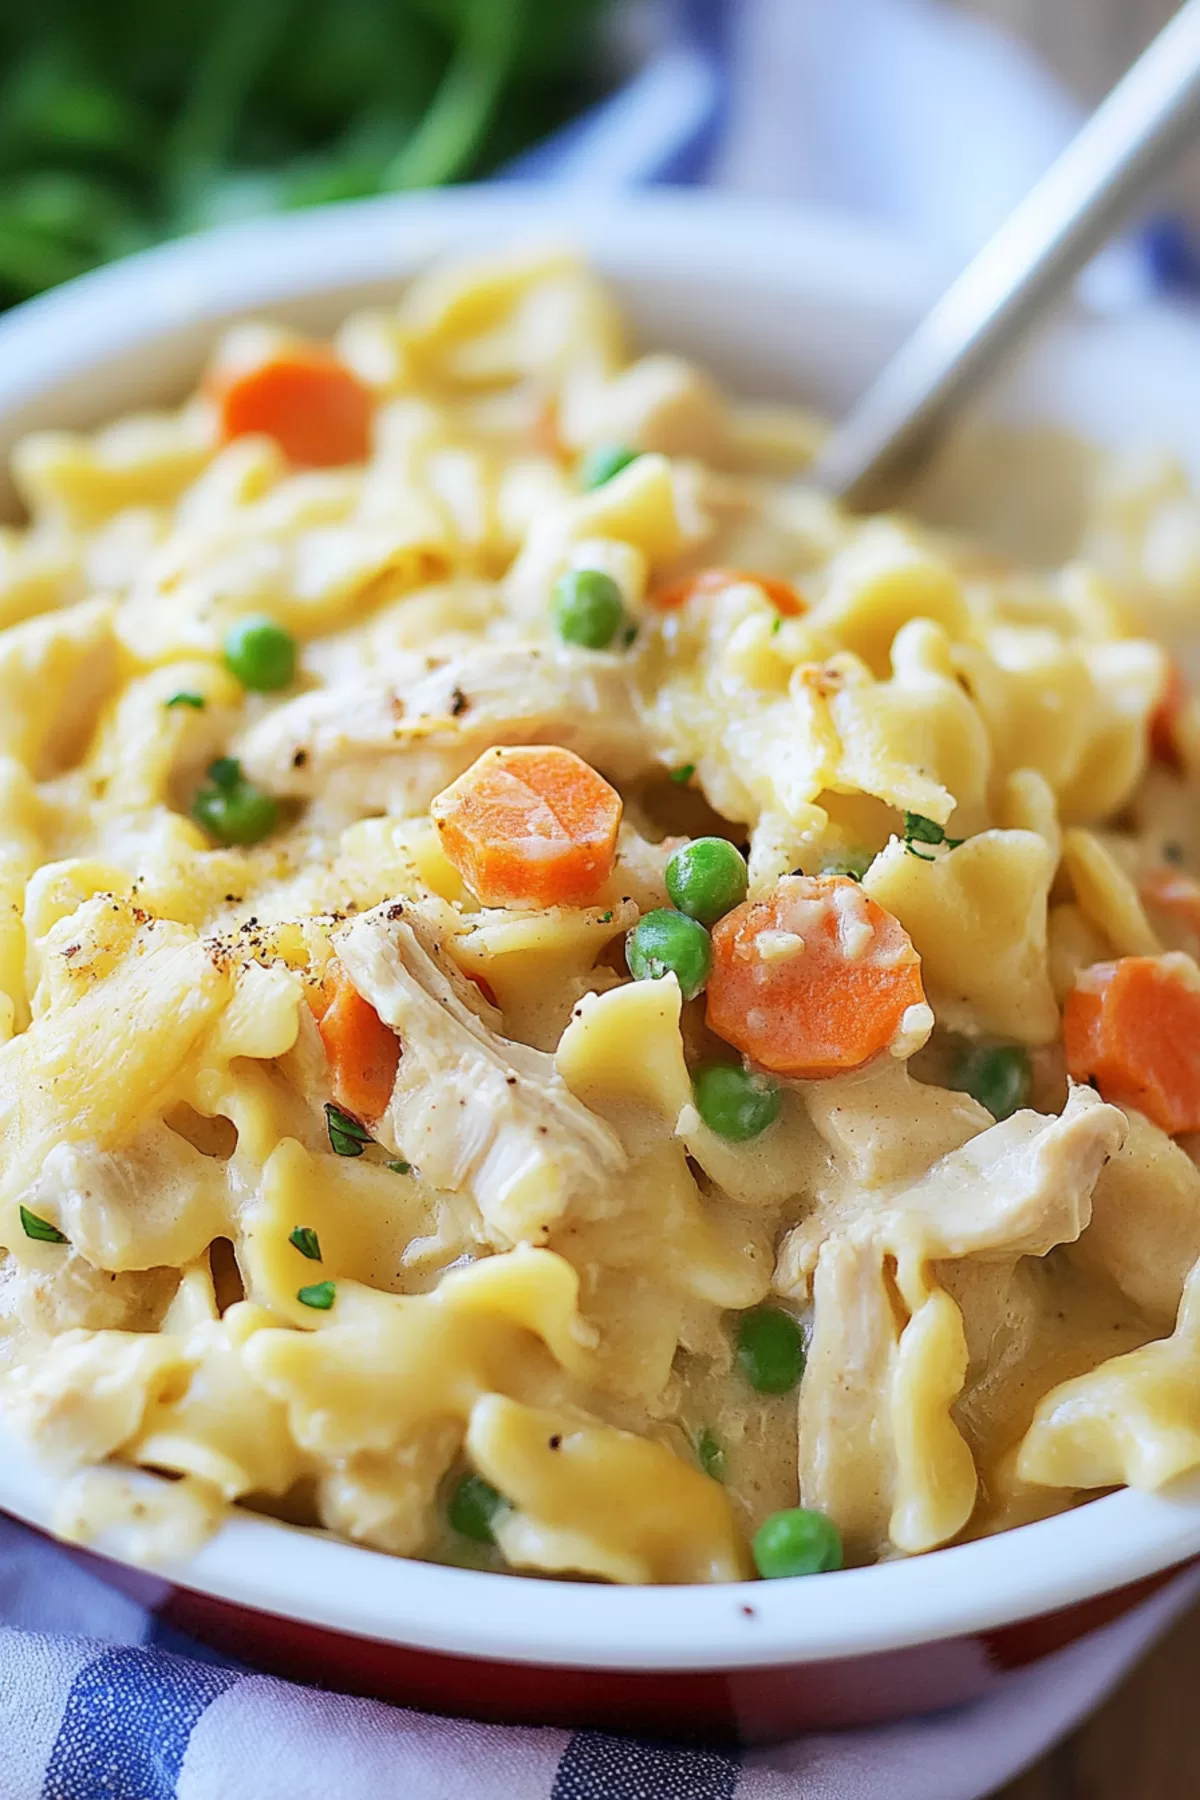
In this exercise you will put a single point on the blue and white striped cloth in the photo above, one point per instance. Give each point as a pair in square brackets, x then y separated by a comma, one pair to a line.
[98, 1703]
[932, 123]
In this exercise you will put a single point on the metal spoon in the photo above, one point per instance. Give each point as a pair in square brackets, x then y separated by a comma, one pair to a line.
[1063, 220]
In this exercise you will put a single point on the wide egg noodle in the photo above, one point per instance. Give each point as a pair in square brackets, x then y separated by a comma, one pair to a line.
[531, 1267]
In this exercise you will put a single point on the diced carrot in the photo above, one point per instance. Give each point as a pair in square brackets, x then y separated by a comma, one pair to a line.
[545, 429]
[812, 980]
[315, 408]
[781, 594]
[530, 825]
[1173, 893]
[363, 1052]
[1163, 745]
[1133, 1028]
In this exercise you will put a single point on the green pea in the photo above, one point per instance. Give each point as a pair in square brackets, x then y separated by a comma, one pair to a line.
[587, 608]
[997, 1075]
[734, 1103]
[260, 653]
[474, 1505]
[770, 1349]
[669, 943]
[707, 878]
[602, 463]
[798, 1541]
[231, 809]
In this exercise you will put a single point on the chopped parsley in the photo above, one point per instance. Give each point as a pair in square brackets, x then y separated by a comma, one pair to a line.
[399, 1167]
[304, 1239]
[631, 632]
[920, 830]
[684, 774]
[777, 625]
[710, 1454]
[346, 1136]
[853, 865]
[40, 1229]
[186, 698]
[319, 1296]
[606, 918]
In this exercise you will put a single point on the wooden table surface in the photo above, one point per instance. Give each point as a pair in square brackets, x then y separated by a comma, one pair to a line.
[1144, 1743]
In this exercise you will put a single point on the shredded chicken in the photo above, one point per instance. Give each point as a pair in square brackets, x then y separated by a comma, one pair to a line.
[132, 1208]
[1020, 1188]
[844, 1447]
[396, 741]
[1017, 1189]
[471, 1110]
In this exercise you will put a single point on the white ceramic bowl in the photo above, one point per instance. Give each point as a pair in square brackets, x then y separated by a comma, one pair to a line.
[778, 304]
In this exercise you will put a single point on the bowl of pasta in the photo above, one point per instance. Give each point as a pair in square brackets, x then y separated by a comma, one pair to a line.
[599, 1076]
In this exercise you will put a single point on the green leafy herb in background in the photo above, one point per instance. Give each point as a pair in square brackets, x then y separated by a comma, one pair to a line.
[125, 121]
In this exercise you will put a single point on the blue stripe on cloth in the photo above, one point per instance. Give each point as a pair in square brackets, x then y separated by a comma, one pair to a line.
[597, 1767]
[126, 1725]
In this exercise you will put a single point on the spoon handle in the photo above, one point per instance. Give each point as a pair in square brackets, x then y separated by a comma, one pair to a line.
[1042, 244]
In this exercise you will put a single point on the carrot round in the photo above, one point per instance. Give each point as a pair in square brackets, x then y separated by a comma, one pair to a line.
[781, 594]
[315, 408]
[1133, 1028]
[814, 979]
[1164, 747]
[530, 825]
[363, 1052]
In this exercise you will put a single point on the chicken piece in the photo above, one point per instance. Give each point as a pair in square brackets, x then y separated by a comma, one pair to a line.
[844, 1454]
[1145, 1228]
[46, 1302]
[1017, 1189]
[470, 1109]
[394, 742]
[1020, 1188]
[879, 1449]
[155, 1201]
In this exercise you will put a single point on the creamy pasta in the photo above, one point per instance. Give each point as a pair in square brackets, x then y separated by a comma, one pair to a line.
[567, 1006]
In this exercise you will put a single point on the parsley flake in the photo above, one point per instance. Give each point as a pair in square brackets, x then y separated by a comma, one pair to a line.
[319, 1296]
[305, 1240]
[346, 1136]
[399, 1167]
[710, 1454]
[684, 774]
[186, 698]
[853, 866]
[777, 626]
[40, 1229]
[920, 830]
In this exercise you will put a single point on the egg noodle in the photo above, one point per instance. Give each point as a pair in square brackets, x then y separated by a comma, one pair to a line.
[566, 1005]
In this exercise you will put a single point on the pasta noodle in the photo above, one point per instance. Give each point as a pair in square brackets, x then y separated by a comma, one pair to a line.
[371, 830]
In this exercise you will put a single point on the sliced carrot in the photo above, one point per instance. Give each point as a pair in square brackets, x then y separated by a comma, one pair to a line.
[363, 1052]
[315, 408]
[546, 436]
[782, 595]
[1164, 747]
[1177, 895]
[812, 980]
[1132, 1027]
[530, 825]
